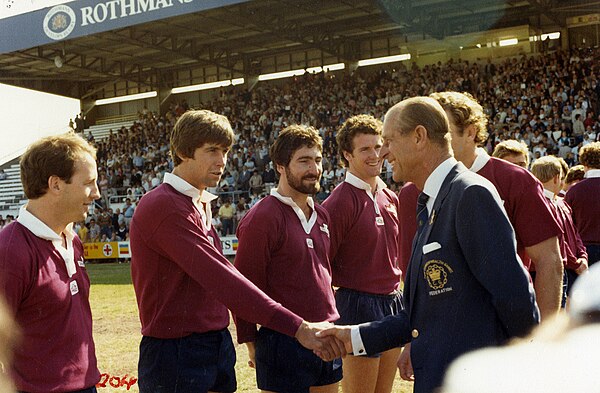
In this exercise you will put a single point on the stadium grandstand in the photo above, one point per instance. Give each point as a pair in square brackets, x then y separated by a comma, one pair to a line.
[137, 65]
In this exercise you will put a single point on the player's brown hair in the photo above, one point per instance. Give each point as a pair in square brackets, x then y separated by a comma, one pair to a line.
[511, 147]
[546, 168]
[464, 110]
[51, 156]
[575, 173]
[196, 128]
[589, 155]
[359, 124]
[291, 139]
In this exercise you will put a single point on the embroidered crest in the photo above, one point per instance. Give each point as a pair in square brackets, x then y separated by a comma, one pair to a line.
[325, 229]
[436, 274]
[392, 209]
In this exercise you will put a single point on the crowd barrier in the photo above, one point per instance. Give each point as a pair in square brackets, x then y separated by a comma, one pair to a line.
[116, 250]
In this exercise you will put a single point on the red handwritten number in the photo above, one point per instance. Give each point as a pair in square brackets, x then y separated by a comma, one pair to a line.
[132, 381]
[116, 382]
[102, 384]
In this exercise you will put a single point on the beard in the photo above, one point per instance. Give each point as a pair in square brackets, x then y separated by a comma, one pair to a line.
[297, 183]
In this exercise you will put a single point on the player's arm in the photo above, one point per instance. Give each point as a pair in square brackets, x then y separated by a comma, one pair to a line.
[538, 230]
[549, 275]
[580, 250]
[181, 240]
[495, 263]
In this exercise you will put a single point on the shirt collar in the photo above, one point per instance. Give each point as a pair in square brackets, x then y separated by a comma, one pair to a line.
[592, 173]
[435, 180]
[363, 185]
[200, 199]
[481, 158]
[307, 225]
[187, 189]
[549, 194]
[39, 228]
[43, 231]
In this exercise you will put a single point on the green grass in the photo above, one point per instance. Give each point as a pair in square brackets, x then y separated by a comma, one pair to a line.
[117, 330]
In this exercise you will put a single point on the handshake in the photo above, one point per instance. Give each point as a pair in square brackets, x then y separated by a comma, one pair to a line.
[326, 340]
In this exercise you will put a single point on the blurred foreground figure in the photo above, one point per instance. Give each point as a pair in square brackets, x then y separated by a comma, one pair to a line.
[561, 356]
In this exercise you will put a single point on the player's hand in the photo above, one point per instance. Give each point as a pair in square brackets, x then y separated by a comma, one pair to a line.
[583, 267]
[342, 339]
[405, 365]
[251, 354]
[327, 347]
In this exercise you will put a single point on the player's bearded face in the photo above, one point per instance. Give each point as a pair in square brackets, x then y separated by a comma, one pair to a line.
[307, 183]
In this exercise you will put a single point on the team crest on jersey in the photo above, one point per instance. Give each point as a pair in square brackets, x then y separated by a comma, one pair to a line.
[325, 229]
[392, 209]
[436, 274]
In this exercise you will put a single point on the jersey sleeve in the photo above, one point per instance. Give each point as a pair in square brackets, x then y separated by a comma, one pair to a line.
[533, 218]
[181, 240]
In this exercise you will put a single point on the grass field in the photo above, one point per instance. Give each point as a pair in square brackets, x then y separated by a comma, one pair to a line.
[117, 332]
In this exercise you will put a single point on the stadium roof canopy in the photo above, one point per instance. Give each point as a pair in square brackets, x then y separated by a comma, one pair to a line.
[106, 43]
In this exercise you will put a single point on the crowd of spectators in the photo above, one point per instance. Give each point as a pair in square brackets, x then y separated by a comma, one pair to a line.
[550, 102]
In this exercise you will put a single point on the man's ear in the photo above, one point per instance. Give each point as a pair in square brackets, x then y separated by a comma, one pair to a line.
[346, 155]
[280, 169]
[471, 132]
[55, 184]
[420, 136]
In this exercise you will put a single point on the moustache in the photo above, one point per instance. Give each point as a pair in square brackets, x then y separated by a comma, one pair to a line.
[311, 178]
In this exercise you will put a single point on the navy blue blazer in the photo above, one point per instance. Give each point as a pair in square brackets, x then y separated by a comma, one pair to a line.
[468, 289]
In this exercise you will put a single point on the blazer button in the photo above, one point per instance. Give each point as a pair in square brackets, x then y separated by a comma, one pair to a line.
[415, 333]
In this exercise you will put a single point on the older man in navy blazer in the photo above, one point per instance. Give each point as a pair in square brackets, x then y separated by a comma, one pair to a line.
[465, 287]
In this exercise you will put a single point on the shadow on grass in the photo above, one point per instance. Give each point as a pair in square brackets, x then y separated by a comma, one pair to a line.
[109, 273]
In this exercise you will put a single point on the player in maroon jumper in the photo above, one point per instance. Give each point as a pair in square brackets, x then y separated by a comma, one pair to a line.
[364, 211]
[549, 171]
[42, 271]
[584, 199]
[284, 249]
[522, 194]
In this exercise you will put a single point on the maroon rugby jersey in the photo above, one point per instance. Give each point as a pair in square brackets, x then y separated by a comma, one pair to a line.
[576, 248]
[287, 260]
[584, 199]
[57, 352]
[182, 281]
[364, 239]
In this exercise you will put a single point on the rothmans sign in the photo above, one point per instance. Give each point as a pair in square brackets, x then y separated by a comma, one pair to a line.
[84, 17]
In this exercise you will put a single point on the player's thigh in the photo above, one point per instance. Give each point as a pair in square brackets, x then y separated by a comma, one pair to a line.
[388, 365]
[360, 374]
[332, 388]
